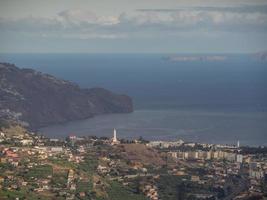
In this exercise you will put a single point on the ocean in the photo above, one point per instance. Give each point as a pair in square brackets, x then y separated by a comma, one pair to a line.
[218, 101]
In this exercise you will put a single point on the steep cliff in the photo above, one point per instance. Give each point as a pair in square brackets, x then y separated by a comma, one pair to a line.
[40, 99]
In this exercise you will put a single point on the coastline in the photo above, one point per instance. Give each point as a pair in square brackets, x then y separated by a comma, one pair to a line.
[167, 125]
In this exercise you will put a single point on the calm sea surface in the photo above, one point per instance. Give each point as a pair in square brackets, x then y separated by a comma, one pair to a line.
[205, 101]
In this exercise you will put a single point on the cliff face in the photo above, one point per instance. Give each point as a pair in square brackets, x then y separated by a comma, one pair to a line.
[41, 99]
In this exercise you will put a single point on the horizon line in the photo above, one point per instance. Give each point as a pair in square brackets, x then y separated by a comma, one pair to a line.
[196, 53]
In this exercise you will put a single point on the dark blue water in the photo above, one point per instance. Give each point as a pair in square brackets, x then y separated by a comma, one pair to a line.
[207, 101]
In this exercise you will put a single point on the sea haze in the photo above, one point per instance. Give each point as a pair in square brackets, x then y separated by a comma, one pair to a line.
[219, 101]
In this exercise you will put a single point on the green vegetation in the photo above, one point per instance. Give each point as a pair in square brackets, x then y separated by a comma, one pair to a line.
[5, 166]
[40, 171]
[84, 187]
[63, 162]
[173, 188]
[7, 194]
[89, 165]
[21, 194]
[170, 188]
[118, 192]
[59, 179]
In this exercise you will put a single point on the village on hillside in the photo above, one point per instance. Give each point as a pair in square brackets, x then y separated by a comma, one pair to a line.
[36, 167]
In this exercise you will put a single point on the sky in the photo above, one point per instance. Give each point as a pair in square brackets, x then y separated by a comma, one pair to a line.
[127, 26]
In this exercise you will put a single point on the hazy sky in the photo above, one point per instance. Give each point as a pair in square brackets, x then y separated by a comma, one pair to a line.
[127, 26]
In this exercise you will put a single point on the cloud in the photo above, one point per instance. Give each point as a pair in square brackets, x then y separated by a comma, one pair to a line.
[223, 18]
[84, 24]
[236, 9]
[84, 17]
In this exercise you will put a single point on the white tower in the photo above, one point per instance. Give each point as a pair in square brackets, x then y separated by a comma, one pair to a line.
[114, 140]
[238, 144]
[115, 135]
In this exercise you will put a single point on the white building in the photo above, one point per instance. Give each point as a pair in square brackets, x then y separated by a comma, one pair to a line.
[56, 149]
[239, 158]
[26, 142]
[165, 144]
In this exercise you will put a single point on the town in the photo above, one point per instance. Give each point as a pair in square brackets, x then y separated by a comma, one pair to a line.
[36, 167]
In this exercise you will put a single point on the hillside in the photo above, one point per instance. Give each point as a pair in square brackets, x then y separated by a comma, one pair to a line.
[141, 153]
[39, 99]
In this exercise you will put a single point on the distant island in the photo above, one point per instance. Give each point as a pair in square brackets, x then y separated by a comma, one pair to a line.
[185, 58]
[261, 55]
[36, 99]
